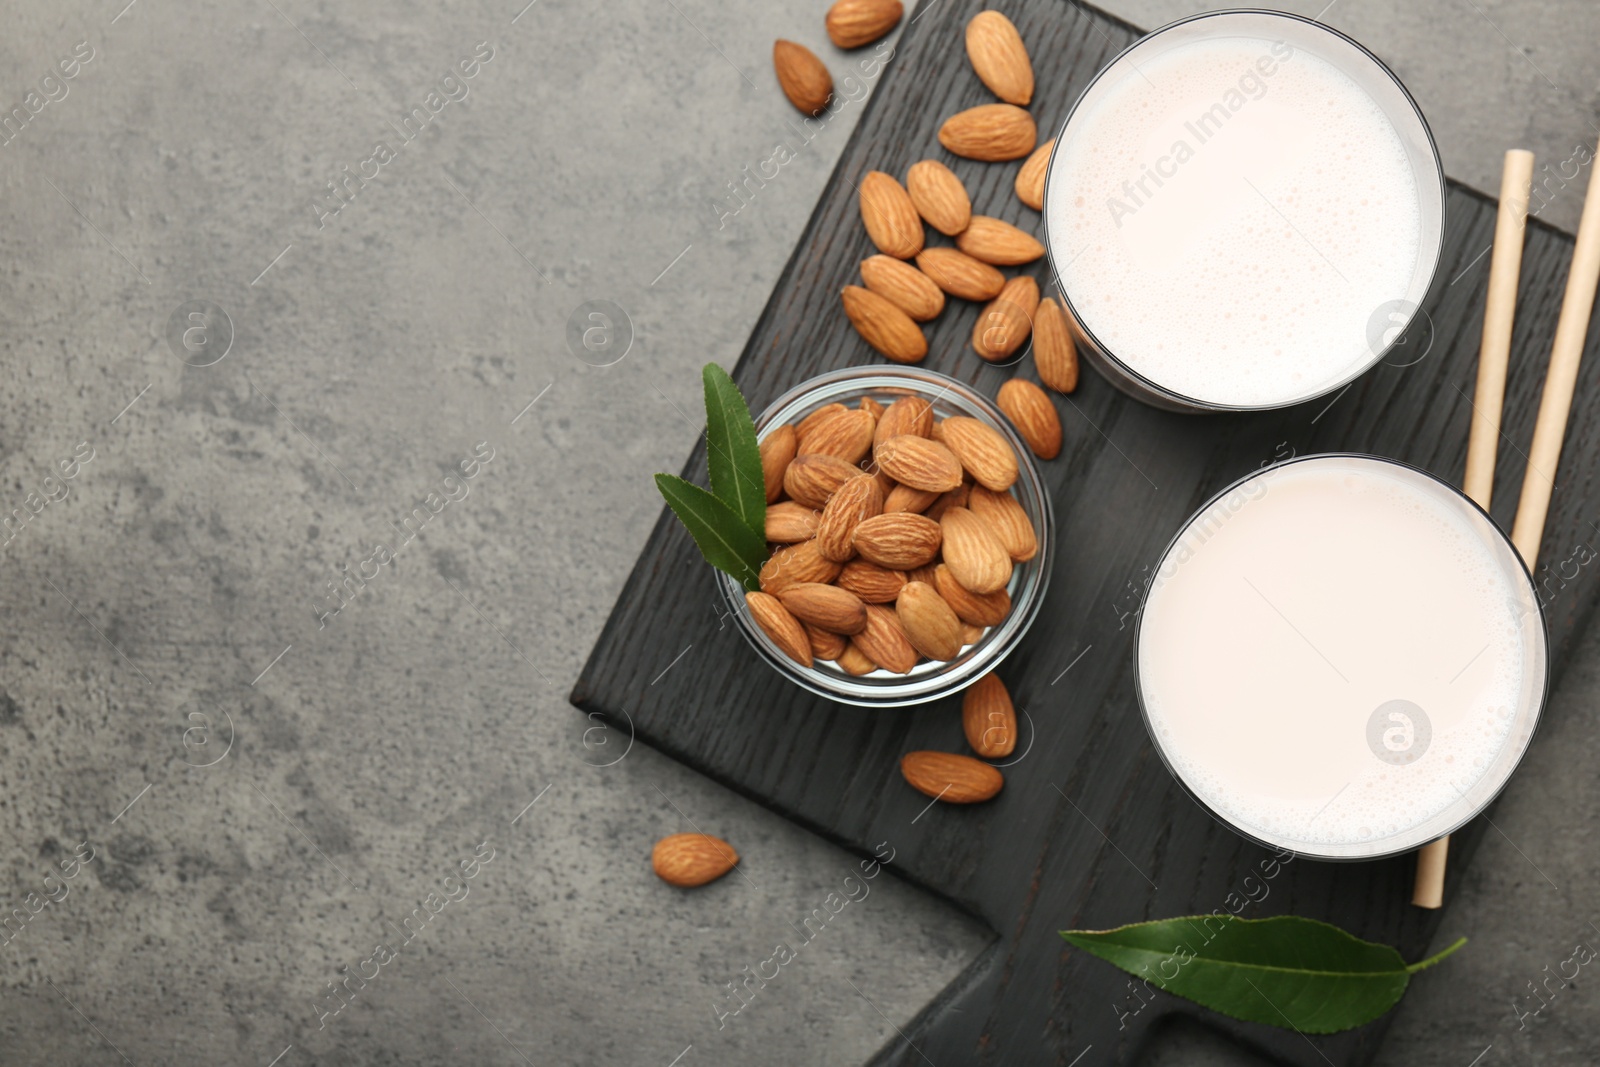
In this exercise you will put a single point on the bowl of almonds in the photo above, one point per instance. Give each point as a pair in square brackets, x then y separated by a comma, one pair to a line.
[911, 537]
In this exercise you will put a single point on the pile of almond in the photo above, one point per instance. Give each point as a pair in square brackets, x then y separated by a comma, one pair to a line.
[895, 533]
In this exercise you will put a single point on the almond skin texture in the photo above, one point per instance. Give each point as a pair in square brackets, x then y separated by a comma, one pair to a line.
[992, 133]
[853, 23]
[856, 500]
[999, 57]
[1006, 322]
[796, 563]
[777, 450]
[885, 327]
[846, 434]
[1031, 412]
[973, 552]
[975, 609]
[1030, 179]
[853, 661]
[930, 624]
[825, 645]
[890, 217]
[824, 606]
[790, 522]
[960, 275]
[1008, 521]
[949, 777]
[872, 583]
[986, 455]
[904, 286]
[900, 541]
[777, 623]
[997, 242]
[812, 479]
[802, 77]
[905, 498]
[939, 196]
[919, 463]
[988, 718]
[1055, 353]
[884, 641]
[688, 860]
[908, 415]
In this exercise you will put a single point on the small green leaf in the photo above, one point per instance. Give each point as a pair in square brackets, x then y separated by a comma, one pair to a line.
[725, 541]
[1285, 971]
[732, 453]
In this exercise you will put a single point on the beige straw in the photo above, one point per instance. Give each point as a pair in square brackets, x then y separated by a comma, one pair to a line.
[1505, 267]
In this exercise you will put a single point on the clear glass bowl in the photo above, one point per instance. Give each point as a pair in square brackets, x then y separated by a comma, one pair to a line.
[927, 681]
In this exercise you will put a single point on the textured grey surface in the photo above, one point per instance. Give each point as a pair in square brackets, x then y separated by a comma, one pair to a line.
[177, 585]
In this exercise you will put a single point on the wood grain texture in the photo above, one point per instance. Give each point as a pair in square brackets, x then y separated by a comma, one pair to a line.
[1091, 831]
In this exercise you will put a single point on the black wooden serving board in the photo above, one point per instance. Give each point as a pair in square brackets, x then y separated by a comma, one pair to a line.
[1090, 823]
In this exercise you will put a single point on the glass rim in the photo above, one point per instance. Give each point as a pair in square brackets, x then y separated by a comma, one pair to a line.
[1437, 251]
[1454, 816]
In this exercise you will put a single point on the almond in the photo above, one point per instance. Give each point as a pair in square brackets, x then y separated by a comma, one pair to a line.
[688, 860]
[890, 217]
[973, 552]
[923, 574]
[982, 450]
[930, 625]
[854, 661]
[999, 243]
[939, 196]
[884, 326]
[777, 623]
[802, 77]
[992, 133]
[988, 718]
[871, 406]
[872, 583]
[955, 498]
[812, 479]
[905, 498]
[999, 57]
[904, 286]
[919, 463]
[859, 498]
[1055, 354]
[1030, 179]
[899, 541]
[884, 642]
[1031, 412]
[960, 275]
[970, 634]
[791, 522]
[846, 434]
[949, 777]
[1008, 520]
[777, 449]
[805, 425]
[908, 415]
[853, 23]
[975, 609]
[1005, 323]
[796, 563]
[825, 606]
[825, 645]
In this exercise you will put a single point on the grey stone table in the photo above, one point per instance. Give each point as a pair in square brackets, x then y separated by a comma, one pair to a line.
[385, 217]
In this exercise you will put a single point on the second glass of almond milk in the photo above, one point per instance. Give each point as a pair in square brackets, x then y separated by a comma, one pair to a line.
[1243, 211]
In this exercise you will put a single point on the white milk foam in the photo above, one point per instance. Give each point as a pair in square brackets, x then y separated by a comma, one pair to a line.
[1230, 216]
[1281, 622]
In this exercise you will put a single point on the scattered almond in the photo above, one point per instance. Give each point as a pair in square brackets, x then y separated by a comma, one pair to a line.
[976, 609]
[992, 133]
[999, 57]
[825, 606]
[884, 641]
[939, 196]
[802, 77]
[777, 450]
[1003, 325]
[890, 217]
[1055, 354]
[853, 23]
[858, 499]
[904, 286]
[1007, 519]
[919, 463]
[884, 326]
[899, 541]
[796, 563]
[846, 434]
[949, 777]
[930, 625]
[1031, 412]
[790, 522]
[777, 623]
[986, 455]
[1000, 243]
[988, 718]
[812, 479]
[872, 583]
[907, 415]
[1030, 179]
[688, 860]
[973, 552]
[960, 275]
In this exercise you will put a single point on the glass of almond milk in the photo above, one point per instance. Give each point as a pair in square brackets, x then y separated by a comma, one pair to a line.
[1341, 656]
[1244, 210]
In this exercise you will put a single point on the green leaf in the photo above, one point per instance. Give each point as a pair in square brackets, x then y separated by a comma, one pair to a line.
[732, 453]
[725, 541]
[1285, 971]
